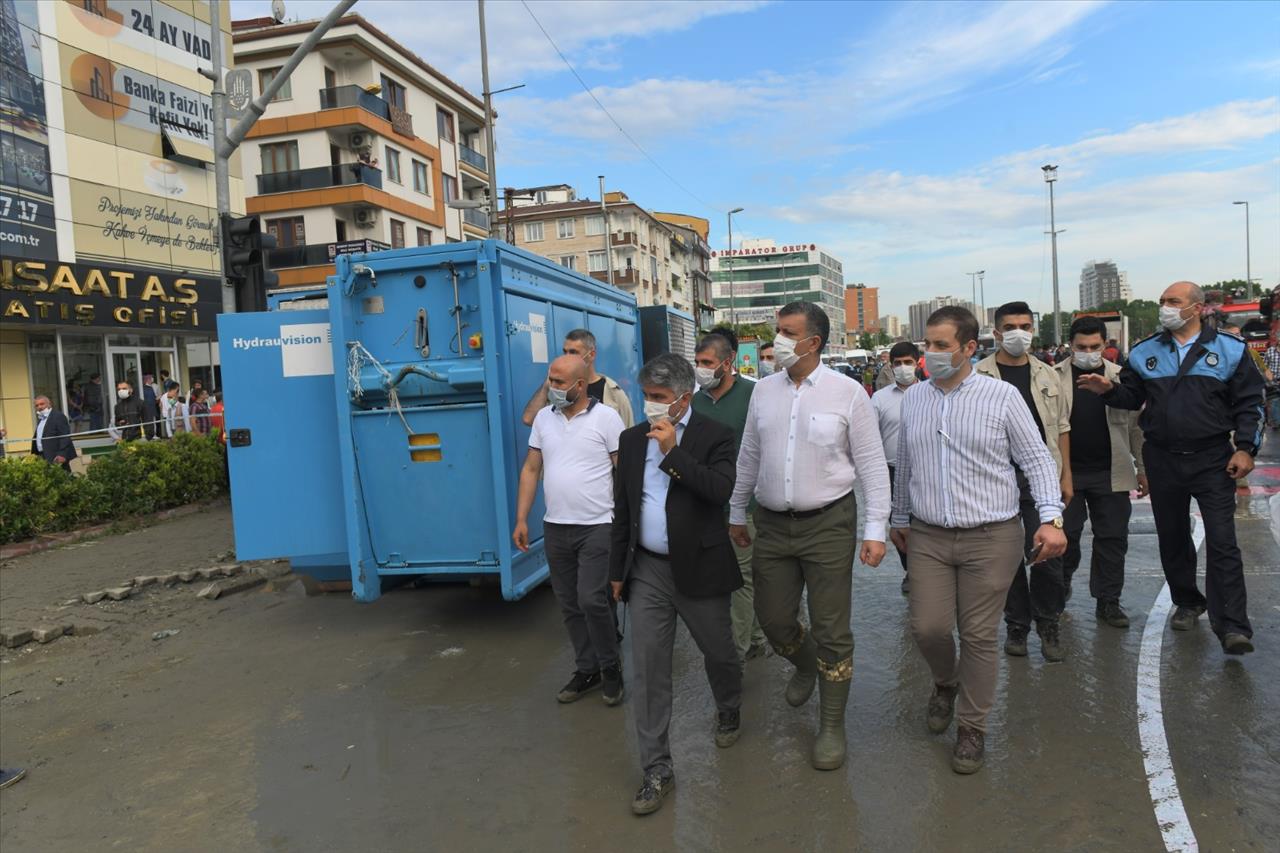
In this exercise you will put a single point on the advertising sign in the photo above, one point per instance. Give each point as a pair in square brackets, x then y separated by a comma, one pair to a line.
[351, 247]
[749, 358]
[26, 193]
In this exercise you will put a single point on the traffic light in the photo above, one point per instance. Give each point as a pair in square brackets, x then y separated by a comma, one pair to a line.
[244, 261]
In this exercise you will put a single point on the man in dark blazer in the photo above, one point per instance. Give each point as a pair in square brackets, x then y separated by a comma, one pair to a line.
[670, 556]
[53, 435]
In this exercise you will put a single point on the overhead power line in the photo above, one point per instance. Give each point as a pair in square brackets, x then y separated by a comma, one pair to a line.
[616, 123]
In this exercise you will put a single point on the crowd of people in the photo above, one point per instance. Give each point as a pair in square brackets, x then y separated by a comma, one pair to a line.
[155, 411]
[733, 502]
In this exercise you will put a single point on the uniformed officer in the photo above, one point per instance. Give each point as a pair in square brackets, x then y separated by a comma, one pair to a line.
[1198, 386]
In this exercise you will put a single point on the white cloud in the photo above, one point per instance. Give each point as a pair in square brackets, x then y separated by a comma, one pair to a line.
[446, 33]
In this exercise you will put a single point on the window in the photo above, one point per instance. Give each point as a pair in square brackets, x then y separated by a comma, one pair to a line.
[653, 269]
[540, 197]
[290, 231]
[444, 122]
[564, 228]
[393, 164]
[532, 232]
[596, 262]
[424, 237]
[340, 230]
[397, 234]
[421, 177]
[595, 226]
[570, 262]
[450, 188]
[279, 157]
[266, 75]
[392, 92]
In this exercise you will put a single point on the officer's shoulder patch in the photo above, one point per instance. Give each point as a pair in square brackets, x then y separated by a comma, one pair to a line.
[1225, 333]
[1211, 359]
[1151, 363]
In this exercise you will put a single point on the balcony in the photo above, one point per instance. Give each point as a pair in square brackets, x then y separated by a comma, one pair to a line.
[623, 238]
[321, 177]
[478, 218]
[472, 157]
[621, 278]
[318, 254]
[355, 96]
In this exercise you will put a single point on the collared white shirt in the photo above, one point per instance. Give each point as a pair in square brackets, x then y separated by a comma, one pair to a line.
[887, 403]
[804, 447]
[653, 498]
[40, 432]
[577, 469]
[956, 452]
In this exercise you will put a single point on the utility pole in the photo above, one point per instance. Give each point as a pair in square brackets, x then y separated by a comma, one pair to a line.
[1248, 256]
[982, 296]
[973, 285]
[733, 301]
[608, 235]
[488, 127]
[1050, 177]
[225, 144]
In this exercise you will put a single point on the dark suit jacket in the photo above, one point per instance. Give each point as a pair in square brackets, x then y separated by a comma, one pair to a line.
[702, 469]
[56, 440]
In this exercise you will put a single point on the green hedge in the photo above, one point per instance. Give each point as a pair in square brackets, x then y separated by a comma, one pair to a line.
[137, 479]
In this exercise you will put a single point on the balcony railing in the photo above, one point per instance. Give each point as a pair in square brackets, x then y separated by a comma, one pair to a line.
[624, 238]
[355, 96]
[472, 157]
[621, 278]
[320, 177]
[478, 218]
[319, 254]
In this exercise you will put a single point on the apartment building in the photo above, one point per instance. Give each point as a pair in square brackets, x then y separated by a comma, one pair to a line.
[763, 276]
[1101, 281]
[891, 325]
[647, 258]
[364, 147]
[862, 309]
[108, 217]
[919, 312]
[691, 256]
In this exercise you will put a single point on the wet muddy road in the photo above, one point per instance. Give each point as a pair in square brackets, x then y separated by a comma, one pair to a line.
[427, 721]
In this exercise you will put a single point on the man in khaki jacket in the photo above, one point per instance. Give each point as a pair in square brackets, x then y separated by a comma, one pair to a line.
[1043, 595]
[1106, 465]
[582, 343]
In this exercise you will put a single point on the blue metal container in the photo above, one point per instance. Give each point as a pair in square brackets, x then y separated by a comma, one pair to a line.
[383, 434]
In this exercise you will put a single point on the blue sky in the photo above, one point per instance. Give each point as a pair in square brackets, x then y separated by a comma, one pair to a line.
[905, 137]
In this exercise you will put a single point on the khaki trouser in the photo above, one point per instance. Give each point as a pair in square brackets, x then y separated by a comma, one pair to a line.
[746, 628]
[962, 575]
[815, 552]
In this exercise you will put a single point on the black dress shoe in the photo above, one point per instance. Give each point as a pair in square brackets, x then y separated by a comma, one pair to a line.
[652, 792]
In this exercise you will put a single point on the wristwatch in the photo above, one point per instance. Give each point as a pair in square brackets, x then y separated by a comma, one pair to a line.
[1057, 522]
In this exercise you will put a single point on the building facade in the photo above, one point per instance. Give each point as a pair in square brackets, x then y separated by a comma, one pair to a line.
[918, 313]
[1101, 282]
[109, 236]
[764, 276]
[892, 326]
[364, 147]
[649, 259]
[861, 309]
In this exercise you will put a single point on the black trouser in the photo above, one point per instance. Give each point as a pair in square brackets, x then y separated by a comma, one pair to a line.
[902, 555]
[1175, 479]
[1045, 595]
[1108, 513]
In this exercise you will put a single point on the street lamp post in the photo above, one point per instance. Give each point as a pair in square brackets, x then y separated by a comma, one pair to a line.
[982, 296]
[1248, 261]
[1050, 177]
[608, 237]
[733, 302]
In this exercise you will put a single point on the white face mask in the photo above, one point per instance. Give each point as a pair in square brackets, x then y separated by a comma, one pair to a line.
[123, 393]
[655, 411]
[784, 352]
[43, 413]
[707, 378]
[904, 374]
[1171, 318]
[559, 398]
[1087, 360]
[766, 368]
[1016, 342]
[939, 365]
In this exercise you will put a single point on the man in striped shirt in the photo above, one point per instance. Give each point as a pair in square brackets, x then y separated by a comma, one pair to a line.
[955, 512]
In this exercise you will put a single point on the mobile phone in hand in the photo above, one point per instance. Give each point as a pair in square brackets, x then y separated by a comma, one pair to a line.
[1034, 554]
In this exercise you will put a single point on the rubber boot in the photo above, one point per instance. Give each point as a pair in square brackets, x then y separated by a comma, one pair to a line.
[800, 687]
[829, 747]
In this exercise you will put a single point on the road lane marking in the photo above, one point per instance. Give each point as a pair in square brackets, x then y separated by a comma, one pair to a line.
[1171, 815]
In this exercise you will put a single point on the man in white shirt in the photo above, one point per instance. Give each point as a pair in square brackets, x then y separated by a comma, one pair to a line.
[956, 513]
[887, 403]
[810, 434]
[573, 447]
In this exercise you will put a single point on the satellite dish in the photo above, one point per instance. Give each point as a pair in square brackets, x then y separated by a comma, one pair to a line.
[277, 10]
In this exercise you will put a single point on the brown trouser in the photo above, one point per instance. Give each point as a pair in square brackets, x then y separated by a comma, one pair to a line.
[962, 575]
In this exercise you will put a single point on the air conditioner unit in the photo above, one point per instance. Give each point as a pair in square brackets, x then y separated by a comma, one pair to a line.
[360, 141]
[366, 217]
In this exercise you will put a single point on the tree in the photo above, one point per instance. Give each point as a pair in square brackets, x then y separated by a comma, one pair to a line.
[883, 339]
[865, 341]
[1046, 327]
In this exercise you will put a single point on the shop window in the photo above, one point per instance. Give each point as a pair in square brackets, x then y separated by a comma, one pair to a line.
[42, 353]
[89, 402]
